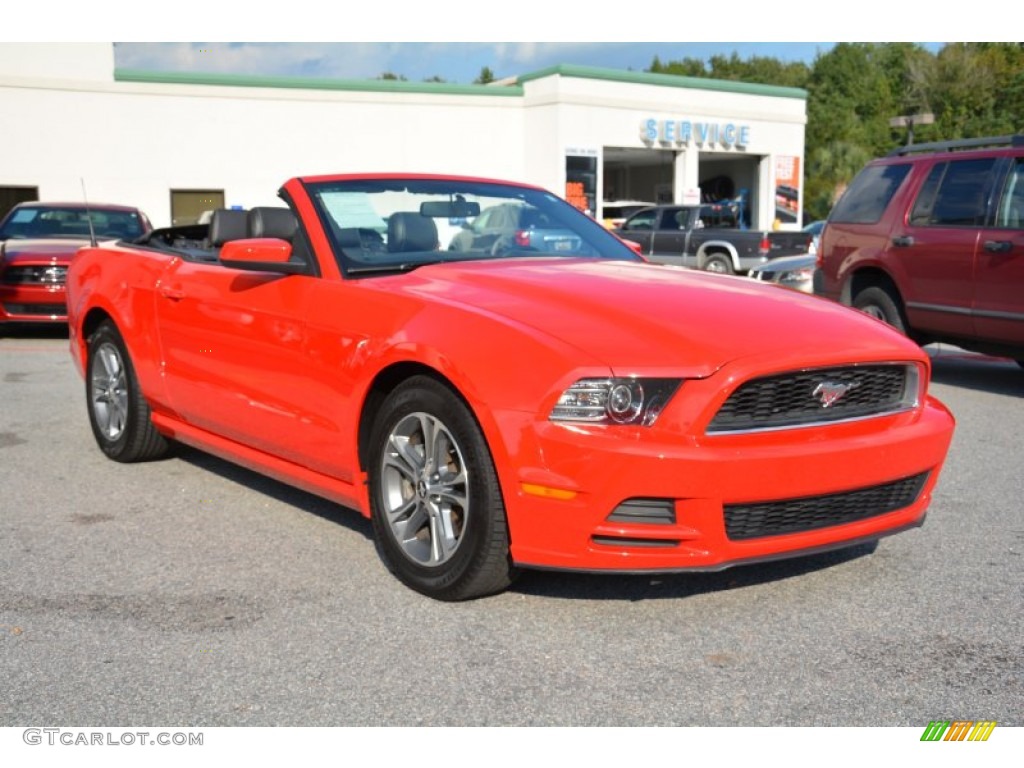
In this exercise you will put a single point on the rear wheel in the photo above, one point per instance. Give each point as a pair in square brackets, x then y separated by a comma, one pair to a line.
[719, 264]
[118, 413]
[881, 304]
[437, 509]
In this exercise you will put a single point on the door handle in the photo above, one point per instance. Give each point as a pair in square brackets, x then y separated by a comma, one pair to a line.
[998, 246]
[903, 241]
[172, 293]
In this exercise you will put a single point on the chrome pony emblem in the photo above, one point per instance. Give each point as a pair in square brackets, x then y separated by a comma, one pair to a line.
[54, 275]
[831, 392]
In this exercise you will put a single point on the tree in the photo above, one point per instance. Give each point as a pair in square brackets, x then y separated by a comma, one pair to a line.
[486, 76]
[855, 89]
[755, 69]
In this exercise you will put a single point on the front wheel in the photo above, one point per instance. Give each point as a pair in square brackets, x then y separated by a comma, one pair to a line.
[880, 304]
[438, 514]
[719, 264]
[118, 413]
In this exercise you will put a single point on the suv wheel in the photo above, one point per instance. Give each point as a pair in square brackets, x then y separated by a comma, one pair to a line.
[880, 303]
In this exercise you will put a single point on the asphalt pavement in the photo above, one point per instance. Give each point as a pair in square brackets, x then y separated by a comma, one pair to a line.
[189, 592]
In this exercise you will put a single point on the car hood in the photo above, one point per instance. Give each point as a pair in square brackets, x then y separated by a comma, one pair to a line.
[645, 318]
[51, 251]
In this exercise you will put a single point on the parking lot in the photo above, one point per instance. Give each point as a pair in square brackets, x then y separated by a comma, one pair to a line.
[194, 593]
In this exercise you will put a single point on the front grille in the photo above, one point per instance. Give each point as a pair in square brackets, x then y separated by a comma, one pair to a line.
[647, 511]
[41, 310]
[41, 274]
[817, 396]
[774, 518]
[630, 541]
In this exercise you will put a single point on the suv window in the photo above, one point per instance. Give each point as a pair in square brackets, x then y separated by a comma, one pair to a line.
[1011, 204]
[954, 194]
[869, 194]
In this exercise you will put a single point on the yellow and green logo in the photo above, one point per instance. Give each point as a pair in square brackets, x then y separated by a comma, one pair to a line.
[958, 730]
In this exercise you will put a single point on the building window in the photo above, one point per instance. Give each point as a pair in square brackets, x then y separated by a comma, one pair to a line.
[188, 205]
[11, 196]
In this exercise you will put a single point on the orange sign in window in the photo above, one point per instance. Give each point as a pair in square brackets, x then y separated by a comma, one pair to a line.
[575, 194]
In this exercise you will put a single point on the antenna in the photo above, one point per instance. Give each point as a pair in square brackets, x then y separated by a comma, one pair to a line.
[88, 215]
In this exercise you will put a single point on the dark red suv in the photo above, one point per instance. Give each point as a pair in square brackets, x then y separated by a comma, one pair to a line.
[931, 239]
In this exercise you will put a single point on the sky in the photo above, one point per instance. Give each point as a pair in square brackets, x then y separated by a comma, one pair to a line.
[442, 38]
[454, 62]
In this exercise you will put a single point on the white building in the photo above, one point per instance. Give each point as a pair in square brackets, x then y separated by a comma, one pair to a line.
[177, 144]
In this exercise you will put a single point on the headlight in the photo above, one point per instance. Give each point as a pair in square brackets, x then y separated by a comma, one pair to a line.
[615, 401]
[802, 275]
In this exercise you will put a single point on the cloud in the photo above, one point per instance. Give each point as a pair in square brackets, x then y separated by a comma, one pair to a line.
[333, 60]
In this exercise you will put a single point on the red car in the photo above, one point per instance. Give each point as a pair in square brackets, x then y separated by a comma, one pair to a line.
[37, 241]
[496, 408]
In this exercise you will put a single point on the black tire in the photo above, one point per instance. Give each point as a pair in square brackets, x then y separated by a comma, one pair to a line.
[719, 264]
[441, 530]
[881, 304]
[118, 413]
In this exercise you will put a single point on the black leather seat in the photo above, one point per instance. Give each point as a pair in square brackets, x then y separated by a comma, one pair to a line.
[411, 232]
[272, 222]
[281, 223]
[227, 224]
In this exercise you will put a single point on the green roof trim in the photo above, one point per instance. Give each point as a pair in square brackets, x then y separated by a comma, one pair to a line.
[406, 86]
[670, 81]
[313, 83]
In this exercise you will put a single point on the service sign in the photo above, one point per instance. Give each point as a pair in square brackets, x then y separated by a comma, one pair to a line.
[686, 132]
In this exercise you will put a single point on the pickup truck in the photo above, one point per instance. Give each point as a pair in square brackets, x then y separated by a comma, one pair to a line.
[697, 236]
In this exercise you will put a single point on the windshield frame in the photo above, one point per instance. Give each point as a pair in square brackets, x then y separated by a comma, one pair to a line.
[366, 205]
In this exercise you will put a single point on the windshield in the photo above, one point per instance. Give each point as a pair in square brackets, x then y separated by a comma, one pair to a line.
[43, 221]
[380, 225]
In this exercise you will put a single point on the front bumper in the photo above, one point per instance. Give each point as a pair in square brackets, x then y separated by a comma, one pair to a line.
[33, 304]
[700, 476]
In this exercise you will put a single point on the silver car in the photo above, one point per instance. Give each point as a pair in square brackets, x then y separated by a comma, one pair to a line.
[796, 272]
[511, 228]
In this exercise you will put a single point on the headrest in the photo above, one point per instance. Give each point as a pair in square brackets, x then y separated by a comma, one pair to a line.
[226, 224]
[411, 232]
[272, 222]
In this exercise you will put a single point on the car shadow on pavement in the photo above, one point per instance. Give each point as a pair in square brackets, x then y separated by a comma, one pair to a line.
[541, 583]
[267, 486]
[634, 587]
[957, 368]
[29, 331]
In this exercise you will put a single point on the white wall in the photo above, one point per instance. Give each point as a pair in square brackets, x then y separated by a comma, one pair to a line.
[66, 119]
[133, 143]
[61, 61]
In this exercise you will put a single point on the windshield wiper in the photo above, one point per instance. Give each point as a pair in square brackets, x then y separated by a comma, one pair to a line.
[379, 269]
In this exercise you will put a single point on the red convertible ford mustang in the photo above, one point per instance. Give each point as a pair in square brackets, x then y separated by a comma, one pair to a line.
[514, 401]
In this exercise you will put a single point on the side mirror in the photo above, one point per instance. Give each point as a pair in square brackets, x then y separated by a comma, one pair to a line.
[261, 255]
